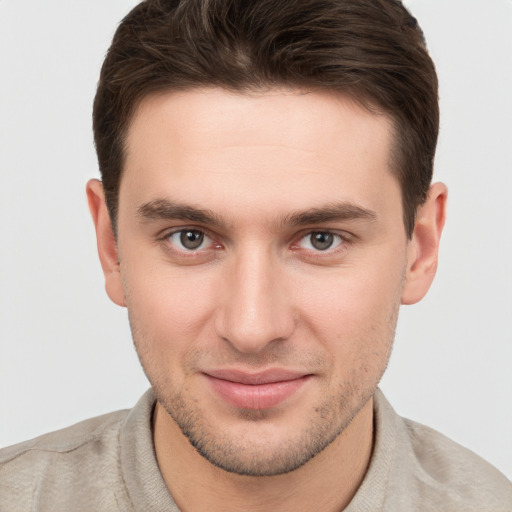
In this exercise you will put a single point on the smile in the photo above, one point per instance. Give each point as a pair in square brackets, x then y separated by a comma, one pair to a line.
[255, 391]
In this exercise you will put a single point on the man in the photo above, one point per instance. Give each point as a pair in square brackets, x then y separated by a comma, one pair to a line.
[265, 207]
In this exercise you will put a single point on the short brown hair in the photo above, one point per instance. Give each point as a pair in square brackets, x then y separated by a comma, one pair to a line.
[371, 50]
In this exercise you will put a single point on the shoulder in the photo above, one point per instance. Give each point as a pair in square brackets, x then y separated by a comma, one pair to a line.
[455, 472]
[65, 440]
[414, 467]
[77, 457]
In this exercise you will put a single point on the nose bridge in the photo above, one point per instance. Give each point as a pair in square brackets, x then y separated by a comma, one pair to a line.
[256, 310]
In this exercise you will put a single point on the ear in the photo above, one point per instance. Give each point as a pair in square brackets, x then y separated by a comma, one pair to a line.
[106, 242]
[422, 253]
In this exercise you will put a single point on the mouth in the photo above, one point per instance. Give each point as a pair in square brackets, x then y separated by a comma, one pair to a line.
[255, 391]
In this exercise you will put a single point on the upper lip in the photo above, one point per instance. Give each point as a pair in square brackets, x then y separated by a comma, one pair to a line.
[269, 376]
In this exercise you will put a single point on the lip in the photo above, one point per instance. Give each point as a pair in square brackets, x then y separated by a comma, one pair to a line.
[256, 391]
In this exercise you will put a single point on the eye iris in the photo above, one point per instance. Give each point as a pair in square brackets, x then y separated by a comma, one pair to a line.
[191, 239]
[322, 241]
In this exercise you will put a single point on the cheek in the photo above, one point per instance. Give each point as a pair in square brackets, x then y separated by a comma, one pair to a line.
[168, 310]
[356, 312]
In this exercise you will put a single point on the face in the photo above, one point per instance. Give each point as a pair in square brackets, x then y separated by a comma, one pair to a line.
[262, 257]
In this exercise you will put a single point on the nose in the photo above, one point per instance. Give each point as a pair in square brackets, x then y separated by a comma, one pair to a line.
[255, 308]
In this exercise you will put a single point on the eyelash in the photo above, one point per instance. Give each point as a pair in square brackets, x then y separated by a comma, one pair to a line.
[165, 239]
[343, 238]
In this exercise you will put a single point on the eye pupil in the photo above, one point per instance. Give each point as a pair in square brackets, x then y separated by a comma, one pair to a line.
[322, 240]
[191, 239]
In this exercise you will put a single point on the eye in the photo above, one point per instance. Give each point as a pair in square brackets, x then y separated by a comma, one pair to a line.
[189, 239]
[320, 241]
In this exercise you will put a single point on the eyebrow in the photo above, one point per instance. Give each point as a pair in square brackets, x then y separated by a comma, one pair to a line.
[330, 213]
[163, 209]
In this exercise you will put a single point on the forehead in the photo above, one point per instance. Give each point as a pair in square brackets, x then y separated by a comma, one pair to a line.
[313, 120]
[285, 148]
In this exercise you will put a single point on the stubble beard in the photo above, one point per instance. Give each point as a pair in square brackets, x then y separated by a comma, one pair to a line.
[250, 457]
[241, 456]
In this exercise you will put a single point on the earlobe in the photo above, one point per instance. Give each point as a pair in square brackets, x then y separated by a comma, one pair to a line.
[106, 242]
[423, 248]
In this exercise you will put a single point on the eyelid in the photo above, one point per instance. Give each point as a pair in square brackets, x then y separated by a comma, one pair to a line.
[167, 232]
[343, 235]
[346, 239]
[164, 236]
[308, 240]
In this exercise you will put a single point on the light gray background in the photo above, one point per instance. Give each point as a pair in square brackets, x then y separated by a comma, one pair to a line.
[66, 351]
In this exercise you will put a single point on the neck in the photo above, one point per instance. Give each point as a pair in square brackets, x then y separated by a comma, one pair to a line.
[327, 482]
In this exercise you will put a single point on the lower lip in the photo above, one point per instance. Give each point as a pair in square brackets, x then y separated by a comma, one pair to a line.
[256, 397]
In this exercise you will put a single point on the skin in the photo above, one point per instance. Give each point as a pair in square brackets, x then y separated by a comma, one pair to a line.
[257, 175]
